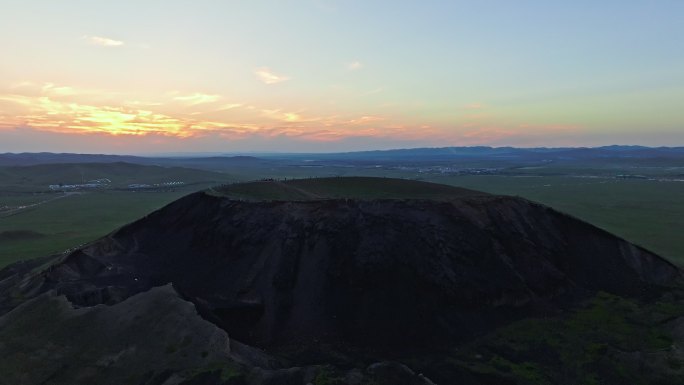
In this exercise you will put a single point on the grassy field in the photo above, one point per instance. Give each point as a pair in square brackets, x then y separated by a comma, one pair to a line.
[36, 221]
[37, 178]
[645, 212]
[648, 213]
[341, 188]
[74, 219]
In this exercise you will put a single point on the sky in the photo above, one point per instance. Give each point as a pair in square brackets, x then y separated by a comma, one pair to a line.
[160, 76]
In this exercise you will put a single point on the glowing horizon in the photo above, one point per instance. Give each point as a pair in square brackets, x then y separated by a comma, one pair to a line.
[144, 77]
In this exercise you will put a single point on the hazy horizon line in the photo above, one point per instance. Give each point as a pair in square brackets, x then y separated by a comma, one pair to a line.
[252, 153]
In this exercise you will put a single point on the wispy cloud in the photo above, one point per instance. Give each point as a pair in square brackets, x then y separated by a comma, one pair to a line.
[141, 103]
[197, 98]
[282, 116]
[51, 88]
[366, 120]
[66, 110]
[290, 116]
[355, 65]
[46, 114]
[229, 106]
[103, 41]
[60, 91]
[269, 77]
[21, 84]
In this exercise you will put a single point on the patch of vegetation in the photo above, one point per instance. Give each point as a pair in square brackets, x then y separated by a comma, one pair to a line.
[342, 188]
[379, 188]
[326, 375]
[227, 372]
[592, 345]
[527, 371]
[230, 372]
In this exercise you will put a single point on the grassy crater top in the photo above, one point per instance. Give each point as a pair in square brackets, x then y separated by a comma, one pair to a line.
[341, 188]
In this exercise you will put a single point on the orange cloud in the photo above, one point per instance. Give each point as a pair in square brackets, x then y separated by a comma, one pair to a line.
[51, 88]
[197, 98]
[366, 120]
[289, 117]
[229, 106]
[52, 115]
[63, 109]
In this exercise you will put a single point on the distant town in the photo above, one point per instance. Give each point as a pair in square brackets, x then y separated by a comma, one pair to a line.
[105, 183]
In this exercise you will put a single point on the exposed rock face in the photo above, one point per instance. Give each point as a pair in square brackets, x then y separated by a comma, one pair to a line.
[384, 274]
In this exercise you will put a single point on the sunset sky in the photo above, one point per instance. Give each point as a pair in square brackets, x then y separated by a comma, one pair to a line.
[161, 76]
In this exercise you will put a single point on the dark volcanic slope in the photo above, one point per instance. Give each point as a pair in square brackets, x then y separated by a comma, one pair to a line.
[399, 274]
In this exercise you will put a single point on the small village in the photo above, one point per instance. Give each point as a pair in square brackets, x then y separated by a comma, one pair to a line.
[105, 183]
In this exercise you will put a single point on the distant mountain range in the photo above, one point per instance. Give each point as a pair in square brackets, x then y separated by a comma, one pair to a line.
[410, 154]
[516, 152]
[30, 159]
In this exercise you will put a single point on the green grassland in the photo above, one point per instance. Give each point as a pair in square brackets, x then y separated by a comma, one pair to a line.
[75, 219]
[646, 212]
[38, 178]
[36, 221]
